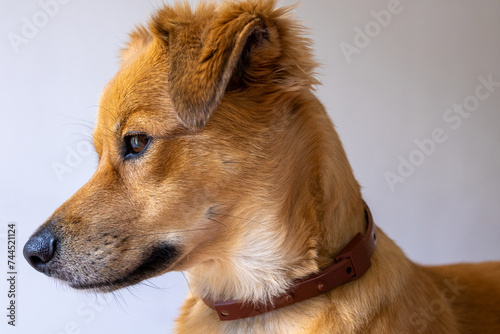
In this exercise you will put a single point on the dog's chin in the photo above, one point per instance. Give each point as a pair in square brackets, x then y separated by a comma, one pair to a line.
[160, 260]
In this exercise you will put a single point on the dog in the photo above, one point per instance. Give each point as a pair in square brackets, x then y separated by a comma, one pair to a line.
[217, 159]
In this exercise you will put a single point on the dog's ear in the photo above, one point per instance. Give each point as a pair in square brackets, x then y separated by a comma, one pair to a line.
[139, 38]
[207, 50]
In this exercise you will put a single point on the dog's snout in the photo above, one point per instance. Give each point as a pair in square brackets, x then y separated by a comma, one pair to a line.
[40, 249]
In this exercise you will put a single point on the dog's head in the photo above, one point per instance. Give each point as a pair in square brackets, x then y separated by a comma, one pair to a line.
[199, 136]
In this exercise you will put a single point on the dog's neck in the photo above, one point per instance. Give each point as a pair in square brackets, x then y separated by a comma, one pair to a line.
[296, 227]
[349, 265]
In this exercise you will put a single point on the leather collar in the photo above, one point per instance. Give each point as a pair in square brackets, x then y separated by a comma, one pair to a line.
[349, 265]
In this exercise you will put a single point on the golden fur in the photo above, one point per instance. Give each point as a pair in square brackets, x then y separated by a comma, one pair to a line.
[245, 186]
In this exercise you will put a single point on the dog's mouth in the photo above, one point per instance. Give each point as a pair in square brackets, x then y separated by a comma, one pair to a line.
[160, 259]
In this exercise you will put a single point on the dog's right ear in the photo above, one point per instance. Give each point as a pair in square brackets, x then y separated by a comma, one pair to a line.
[207, 47]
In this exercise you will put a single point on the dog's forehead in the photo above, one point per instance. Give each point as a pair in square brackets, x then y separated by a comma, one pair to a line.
[137, 98]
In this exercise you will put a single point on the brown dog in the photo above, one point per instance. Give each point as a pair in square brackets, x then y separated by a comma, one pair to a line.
[216, 158]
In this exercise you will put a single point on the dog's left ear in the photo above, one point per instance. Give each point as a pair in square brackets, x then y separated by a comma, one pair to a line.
[139, 39]
[205, 58]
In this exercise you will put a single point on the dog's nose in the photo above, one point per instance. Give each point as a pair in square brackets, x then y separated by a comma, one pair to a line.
[40, 249]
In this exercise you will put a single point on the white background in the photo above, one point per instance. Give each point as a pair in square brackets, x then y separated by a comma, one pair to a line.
[394, 91]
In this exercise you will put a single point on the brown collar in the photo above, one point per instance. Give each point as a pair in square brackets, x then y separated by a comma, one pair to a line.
[349, 265]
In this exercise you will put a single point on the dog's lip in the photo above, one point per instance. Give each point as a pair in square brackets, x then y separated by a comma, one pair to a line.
[160, 259]
[108, 286]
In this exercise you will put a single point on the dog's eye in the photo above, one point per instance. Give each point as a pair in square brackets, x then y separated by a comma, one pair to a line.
[135, 144]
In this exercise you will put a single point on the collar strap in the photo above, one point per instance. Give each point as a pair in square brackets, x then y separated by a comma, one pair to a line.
[349, 265]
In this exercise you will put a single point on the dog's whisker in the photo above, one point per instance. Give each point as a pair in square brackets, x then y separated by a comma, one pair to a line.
[187, 281]
[194, 276]
[218, 222]
[96, 297]
[166, 232]
[89, 126]
[236, 217]
[85, 135]
[112, 112]
[118, 297]
[80, 120]
[150, 284]
[104, 298]
[96, 106]
[88, 140]
[133, 294]
[108, 132]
